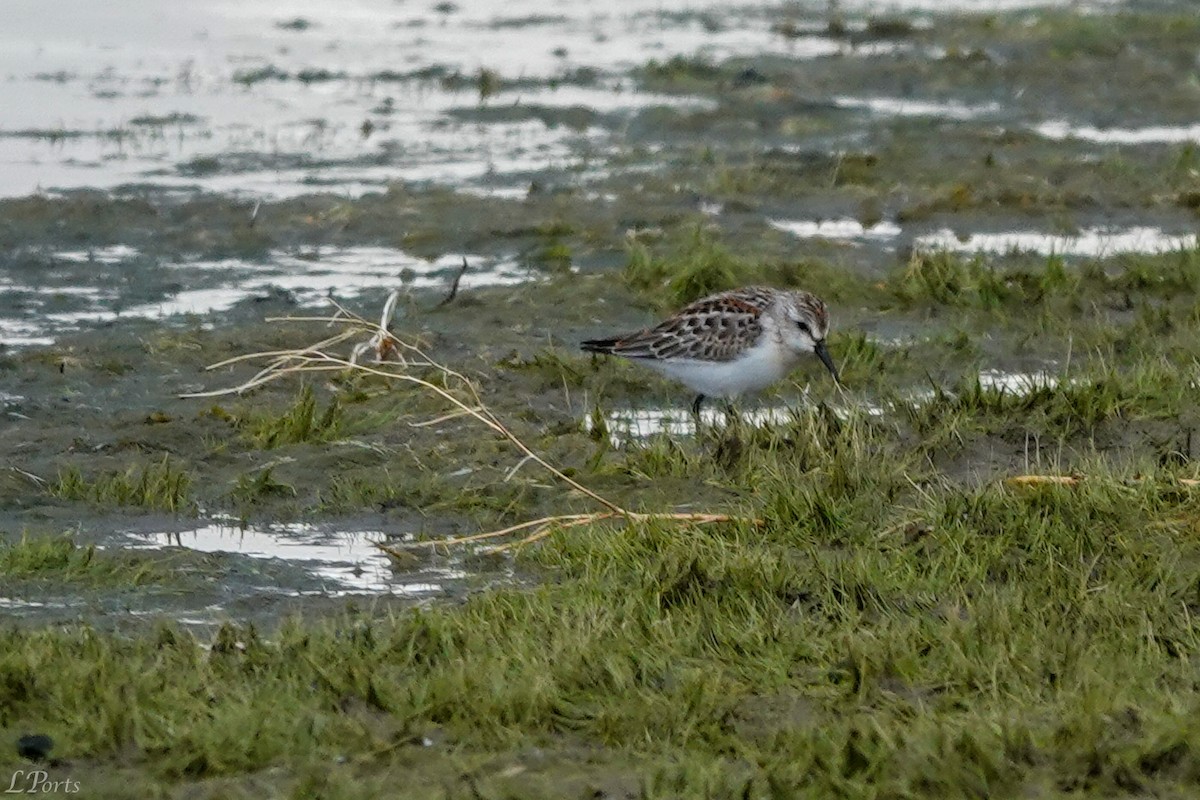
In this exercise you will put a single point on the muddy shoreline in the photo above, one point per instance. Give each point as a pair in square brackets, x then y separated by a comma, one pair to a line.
[969, 571]
[834, 153]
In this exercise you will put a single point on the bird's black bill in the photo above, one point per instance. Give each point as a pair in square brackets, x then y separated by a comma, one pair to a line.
[823, 353]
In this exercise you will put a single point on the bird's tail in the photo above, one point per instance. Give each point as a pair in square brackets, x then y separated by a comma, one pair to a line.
[599, 345]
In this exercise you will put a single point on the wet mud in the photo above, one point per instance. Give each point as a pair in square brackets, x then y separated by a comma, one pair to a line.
[1007, 245]
[162, 232]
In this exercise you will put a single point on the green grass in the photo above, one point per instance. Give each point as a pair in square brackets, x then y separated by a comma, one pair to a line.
[554, 256]
[552, 366]
[60, 559]
[1086, 400]
[696, 266]
[904, 623]
[884, 633]
[260, 485]
[694, 261]
[302, 422]
[158, 485]
[680, 72]
[948, 279]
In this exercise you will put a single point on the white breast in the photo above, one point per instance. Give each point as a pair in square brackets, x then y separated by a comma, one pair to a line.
[756, 369]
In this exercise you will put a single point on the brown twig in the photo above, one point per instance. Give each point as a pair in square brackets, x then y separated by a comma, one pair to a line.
[458, 276]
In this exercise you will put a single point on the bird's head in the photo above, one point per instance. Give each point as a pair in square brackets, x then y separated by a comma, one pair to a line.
[806, 326]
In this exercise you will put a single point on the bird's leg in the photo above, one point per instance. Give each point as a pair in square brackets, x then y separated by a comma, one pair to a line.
[729, 447]
[699, 401]
[733, 416]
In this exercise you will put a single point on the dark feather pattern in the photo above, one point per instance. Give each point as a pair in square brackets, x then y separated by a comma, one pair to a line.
[716, 328]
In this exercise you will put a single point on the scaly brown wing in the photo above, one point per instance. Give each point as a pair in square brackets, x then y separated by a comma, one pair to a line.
[716, 328]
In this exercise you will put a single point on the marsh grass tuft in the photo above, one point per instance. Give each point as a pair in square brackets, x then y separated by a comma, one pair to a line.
[697, 266]
[860, 357]
[682, 72]
[948, 279]
[27, 556]
[303, 422]
[60, 558]
[161, 485]
[259, 486]
[554, 366]
[1068, 405]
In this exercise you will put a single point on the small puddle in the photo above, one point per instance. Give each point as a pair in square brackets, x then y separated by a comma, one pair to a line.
[17, 604]
[258, 572]
[632, 425]
[22, 334]
[76, 288]
[905, 107]
[345, 562]
[636, 424]
[1154, 134]
[111, 254]
[1093, 242]
[1018, 383]
[227, 97]
[842, 230]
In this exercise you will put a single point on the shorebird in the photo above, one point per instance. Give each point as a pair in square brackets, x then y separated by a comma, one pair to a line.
[731, 343]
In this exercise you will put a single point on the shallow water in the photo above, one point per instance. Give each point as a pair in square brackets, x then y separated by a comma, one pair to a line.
[909, 107]
[1093, 242]
[344, 561]
[227, 569]
[74, 293]
[633, 425]
[844, 229]
[277, 99]
[629, 425]
[1153, 134]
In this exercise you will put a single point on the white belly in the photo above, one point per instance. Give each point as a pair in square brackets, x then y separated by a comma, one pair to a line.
[754, 371]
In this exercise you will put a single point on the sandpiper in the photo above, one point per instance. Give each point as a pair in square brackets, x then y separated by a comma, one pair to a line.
[730, 343]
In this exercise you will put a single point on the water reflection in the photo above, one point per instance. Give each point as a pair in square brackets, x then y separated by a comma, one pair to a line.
[843, 229]
[632, 425]
[74, 292]
[278, 99]
[1093, 242]
[346, 559]
[1154, 134]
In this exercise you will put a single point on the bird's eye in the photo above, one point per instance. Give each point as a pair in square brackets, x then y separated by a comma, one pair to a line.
[803, 326]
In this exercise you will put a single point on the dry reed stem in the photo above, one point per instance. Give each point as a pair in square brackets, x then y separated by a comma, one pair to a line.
[1071, 480]
[388, 347]
[547, 525]
[1040, 480]
[559, 523]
